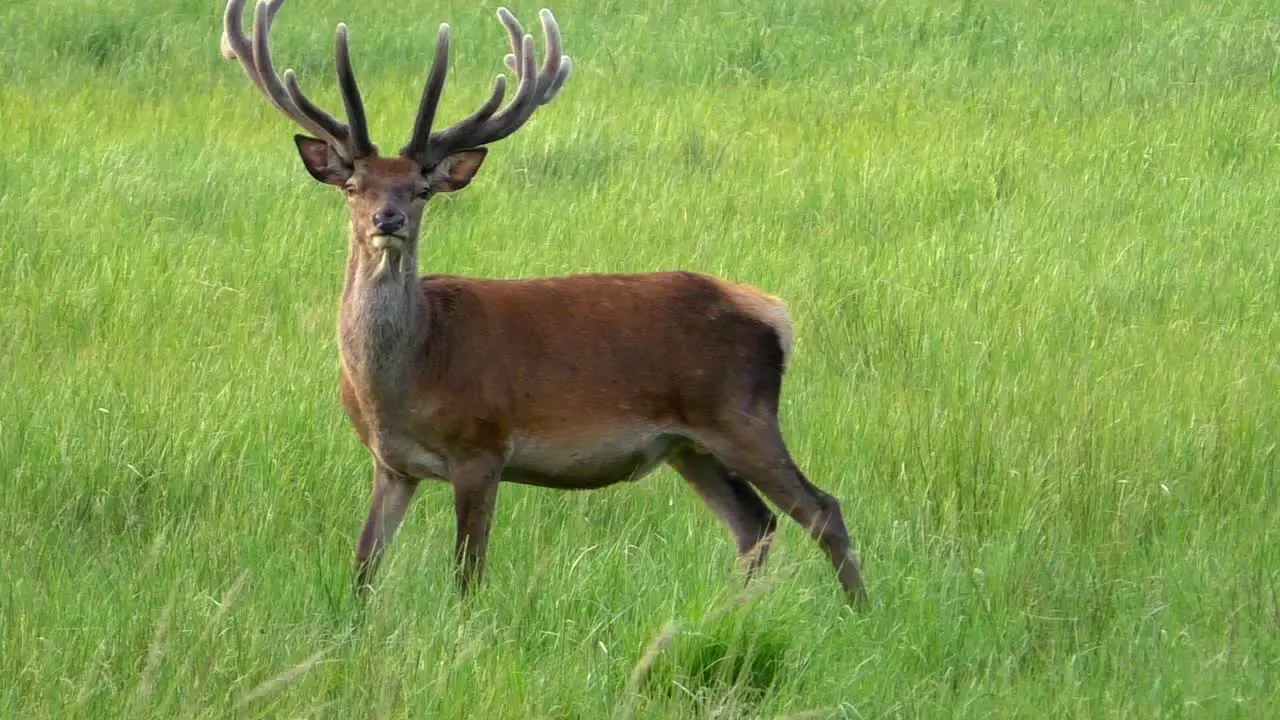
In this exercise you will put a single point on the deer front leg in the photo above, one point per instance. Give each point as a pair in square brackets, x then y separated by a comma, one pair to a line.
[475, 492]
[392, 493]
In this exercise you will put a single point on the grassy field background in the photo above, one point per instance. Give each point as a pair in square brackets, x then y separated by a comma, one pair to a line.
[1030, 248]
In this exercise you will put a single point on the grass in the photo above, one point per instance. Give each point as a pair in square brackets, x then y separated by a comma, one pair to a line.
[1030, 250]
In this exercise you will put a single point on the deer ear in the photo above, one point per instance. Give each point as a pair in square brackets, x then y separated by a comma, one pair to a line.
[321, 161]
[455, 171]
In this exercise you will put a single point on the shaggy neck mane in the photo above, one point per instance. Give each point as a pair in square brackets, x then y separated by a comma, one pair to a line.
[381, 325]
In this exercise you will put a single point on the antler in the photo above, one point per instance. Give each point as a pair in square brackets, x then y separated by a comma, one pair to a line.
[486, 124]
[350, 142]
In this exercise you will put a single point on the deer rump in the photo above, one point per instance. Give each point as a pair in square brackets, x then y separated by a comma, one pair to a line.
[580, 381]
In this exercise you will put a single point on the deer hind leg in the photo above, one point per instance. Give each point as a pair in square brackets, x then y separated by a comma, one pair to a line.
[392, 494]
[755, 451]
[750, 521]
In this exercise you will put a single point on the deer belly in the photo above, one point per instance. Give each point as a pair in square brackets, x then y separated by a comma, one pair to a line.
[585, 464]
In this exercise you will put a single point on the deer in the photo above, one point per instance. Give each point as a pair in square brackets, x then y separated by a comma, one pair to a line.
[575, 382]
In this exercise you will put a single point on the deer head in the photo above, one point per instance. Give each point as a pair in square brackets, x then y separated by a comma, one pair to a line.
[386, 196]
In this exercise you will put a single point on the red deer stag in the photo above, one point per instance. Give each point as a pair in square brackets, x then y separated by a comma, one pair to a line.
[571, 382]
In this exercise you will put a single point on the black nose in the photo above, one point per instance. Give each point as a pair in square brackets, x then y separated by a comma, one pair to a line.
[388, 221]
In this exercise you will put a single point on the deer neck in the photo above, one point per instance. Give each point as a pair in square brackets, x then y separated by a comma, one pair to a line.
[382, 328]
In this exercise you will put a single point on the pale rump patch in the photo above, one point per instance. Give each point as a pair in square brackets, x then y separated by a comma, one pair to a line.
[766, 308]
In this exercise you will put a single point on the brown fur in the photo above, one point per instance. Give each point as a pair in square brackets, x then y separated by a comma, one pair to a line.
[669, 351]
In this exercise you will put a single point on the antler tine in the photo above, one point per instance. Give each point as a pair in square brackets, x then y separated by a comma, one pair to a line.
[254, 55]
[549, 75]
[331, 125]
[516, 31]
[477, 129]
[419, 139]
[566, 68]
[242, 49]
[361, 145]
[525, 101]
[455, 136]
[557, 67]
[335, 133]
[236, 45]
[484, 126]
[228, 47]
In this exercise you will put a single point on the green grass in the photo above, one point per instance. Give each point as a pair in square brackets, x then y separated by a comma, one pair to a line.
[1031, 252]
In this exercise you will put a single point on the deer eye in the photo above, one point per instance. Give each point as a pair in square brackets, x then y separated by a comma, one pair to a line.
[349, 189]
[424, 193]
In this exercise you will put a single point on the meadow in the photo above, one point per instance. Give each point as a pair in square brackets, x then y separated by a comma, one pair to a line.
[1030, 250]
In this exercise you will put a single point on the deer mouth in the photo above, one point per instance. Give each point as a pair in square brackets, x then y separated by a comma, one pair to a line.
[388, 242]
